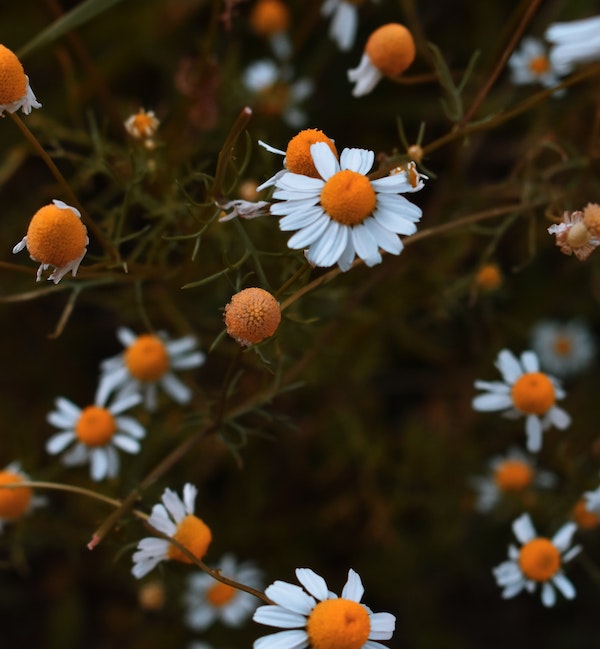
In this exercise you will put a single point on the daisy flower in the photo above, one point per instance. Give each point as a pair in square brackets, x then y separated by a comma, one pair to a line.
[174, 518]
[15, 503]
[524, 391]
[344, 21]
[488, 277]
[148, 362]
[389, 51]
[271, 19]
[531, 64]
[574, 42]
[56, 238]
[343, 213]
[317, 618]
[510, 474]
[573, 235]
[208, 600]
[565, 349]
[95, 434]
[142, 125]
[252, 315]
[538, 561]
[15, 91]
[586, 512]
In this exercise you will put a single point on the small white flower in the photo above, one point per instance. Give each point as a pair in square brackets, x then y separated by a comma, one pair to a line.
[208, 600]
[525, 391]
[142, 125]
[344, 22]
[342, 213]
[15, 503]
[95, 434]
[538, 561]
[148, 362]
[174, 518]
[531, 64]
[317, 612]
[565, 349]
[574, 42]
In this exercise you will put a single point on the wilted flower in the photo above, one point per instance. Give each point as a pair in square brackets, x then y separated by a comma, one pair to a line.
[573, 235]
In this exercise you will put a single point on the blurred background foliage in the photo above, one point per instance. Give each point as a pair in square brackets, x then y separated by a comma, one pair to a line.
[367, 463]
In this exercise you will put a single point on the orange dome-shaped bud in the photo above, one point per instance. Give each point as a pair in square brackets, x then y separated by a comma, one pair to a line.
[252, 315]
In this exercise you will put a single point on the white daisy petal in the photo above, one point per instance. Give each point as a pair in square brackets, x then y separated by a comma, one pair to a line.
[523, 529]
[564, 585]
[324, 160]
[304, 237]
[283, 640]
[559, 418]
[491, 402]
[174, 505]
[529, 361]
[533, 430]
[177, 390]
[61, 419]
[299, 220]
[290, 597]
[353, 589]
[190, 492]
[313, 583]
[365, 245]
[59, 442]
[279, 617]
[548, 594]
[509, 366]
[385, 239]
[126, 443]
[327, 250]
[131, 427]
[98, 464]
[358, 160]
[562, 539]
[382, 626]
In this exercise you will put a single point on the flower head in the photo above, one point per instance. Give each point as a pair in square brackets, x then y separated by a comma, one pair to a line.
[564, 348]
[148, 362]
[587, 516]
[252, 315]
[573, 235]
[56, 238]
[208, 600]
[389, 51]
[315, 617]
[524, 391]
[538, 561]
[344, 21]
[488, 277]
[531, 64]
[174, 518]
[271, 19]
[15, 91]
[15, 502]
[577, 41]
[142, 125]
[95, 434]
[342, 213]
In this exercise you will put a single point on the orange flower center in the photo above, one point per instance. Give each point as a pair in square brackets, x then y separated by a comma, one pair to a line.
[591, 218]
[145, 124]
[562, 345]
[272, 101]
[95, 426]
[338, 624]
[348, 197]
[194, 535]
[539, 559]
[252, 315]
[533, 393]
[298, 159]
[513, 475]
[13, 83]
[270, 17]
[584, 518]
[488, 277]
[220, 594]
[391, 49]
[147, 358]
[13, 502]
[56, 236]
[539, 64]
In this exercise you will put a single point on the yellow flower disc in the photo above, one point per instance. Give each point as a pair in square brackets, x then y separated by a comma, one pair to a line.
[13, 82]
[147, 358]
[220, 594]
[269, 17]
[338, 624]
[584, 518]
[298, 159]
[348, 197]
[539, 64]
[13, 502]
[591, 218]
[539, 559]
[391, 49]
[252, 315]
[56, 236]
[194, 535]
[95, 426]
[513, 475]
[533, 393]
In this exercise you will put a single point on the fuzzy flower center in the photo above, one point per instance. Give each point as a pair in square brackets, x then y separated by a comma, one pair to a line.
[220, 594]
[13, 83]
[562, 345]
[539, 64]
[252, 315]
[298, 158]
[489, 277]
[348, 197]
[13, 502]
[270, 17]
[143, 124]
[147, 358]
[584, 518]
[513, 475]
[391, 49]
[539, 559]
[56, 236]
[338, 624]
[533, 393]
[95, 426]
[591, 218]
[195, 536]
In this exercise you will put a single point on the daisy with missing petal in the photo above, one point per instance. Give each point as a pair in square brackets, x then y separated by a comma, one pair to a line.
[538, 561]
[15, 91]
[174, 518]
[531, 64]
[15, 503]
[577, 41]
[208, 600]
[148, 362]
[525, 391]
[95, 434]
[564, 348]
[317, 618]
[343, 213]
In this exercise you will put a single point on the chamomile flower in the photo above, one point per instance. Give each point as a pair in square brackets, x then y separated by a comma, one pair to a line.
[252, 315]
[142, 125]
[175, 518]
[15, 503]
[344, 21]
[15, 91]
[271, 19]
[342, 213]
[95, 433]
[586, 512]
[577, 41]
[574, 237]
[512, 474]
[147, 363]
[56, 238]
[531, 64]
[524, 391]
[208, 600]
[317, 618]
[539, 560]
[564, 348]
[389, 51]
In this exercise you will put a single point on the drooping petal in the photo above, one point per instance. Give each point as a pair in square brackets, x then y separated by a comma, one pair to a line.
[533, 430]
